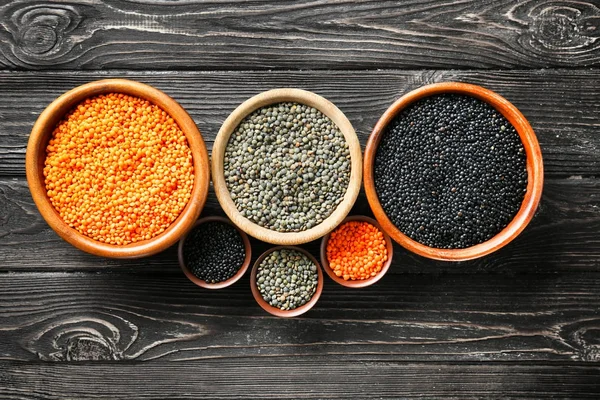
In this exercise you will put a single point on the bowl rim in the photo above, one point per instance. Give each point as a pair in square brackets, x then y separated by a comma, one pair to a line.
[535, 172]
[272, 97]
[364, 282]
[35, 156]
[274, 310]
[228, 282]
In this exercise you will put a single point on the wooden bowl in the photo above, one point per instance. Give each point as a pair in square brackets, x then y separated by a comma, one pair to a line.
[274, 310]
[228, 282]
[218, 153]
[363, 282]
[36, 155]
[535, 172]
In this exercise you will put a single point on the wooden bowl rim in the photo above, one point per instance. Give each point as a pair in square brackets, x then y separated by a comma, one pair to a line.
[274, 310]
[357, 283]
[535, 172]
[272, 97]
[225, 283]
[36, 154]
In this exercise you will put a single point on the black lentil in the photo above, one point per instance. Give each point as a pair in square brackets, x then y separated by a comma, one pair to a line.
[214, 251]
[450, 171]
[287, 167]
[287, 279]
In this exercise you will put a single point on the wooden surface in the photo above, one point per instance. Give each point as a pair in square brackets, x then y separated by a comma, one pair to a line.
[320, 34]
[521, 323]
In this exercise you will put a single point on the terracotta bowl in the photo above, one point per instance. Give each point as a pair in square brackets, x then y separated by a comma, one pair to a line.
[274, 310]
[364, 282]
[36, 155]
[228, 282]
[535, 172]
[218, 153]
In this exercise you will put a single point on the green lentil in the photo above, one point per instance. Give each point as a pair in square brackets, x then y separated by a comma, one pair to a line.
[287, 279]
[287, 167]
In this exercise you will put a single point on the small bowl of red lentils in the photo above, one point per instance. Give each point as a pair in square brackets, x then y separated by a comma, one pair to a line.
[117, 168]
[357, 253]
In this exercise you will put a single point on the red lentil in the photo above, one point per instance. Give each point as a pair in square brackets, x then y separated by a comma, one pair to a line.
[356, 250]
[118, 169]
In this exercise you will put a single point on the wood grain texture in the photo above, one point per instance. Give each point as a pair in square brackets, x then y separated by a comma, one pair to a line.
[70, 317]
[298, 35]
[521, 323]
[561, 105]
[563, 236]
[314, 377]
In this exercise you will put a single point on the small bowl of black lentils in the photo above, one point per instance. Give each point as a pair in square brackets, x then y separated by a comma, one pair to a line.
[215, 253]
[286, 281]
[453, 171]
[287, 166]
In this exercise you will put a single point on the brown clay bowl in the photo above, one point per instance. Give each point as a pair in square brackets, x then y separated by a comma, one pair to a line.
[36, 155]
[228, 282]
[218, 153]
[535, 172]
[364, 282]
[274, 310]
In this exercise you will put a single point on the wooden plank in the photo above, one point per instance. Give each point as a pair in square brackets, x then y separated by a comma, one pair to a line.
[561, 105]
[298, 35]
[70, 317]
[314, 377]
[562, 237]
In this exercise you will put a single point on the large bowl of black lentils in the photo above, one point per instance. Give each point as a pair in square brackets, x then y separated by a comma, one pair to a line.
[286, 281]
[453, 171]
[287, 166]
[214, 254]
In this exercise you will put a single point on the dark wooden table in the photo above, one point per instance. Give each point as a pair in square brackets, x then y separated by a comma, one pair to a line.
[524, 322]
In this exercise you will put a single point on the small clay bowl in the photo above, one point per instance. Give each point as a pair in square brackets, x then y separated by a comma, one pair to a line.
[535, 172]
[228, 282]
[36, 156]
[363, 282]
[274, 310]
[218, 153]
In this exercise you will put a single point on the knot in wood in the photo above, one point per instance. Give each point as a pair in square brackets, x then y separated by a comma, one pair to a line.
[89, 348]
[556, 27]
[39, 39]
[41, 31]
[564, 25]
[587, 341]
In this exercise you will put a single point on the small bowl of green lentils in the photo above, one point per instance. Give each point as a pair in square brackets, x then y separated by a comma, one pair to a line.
[214, 254]
[287, 166]
[286, 281]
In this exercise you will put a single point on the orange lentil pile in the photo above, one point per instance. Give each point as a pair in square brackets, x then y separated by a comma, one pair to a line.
[118, 169]
[356, 250]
